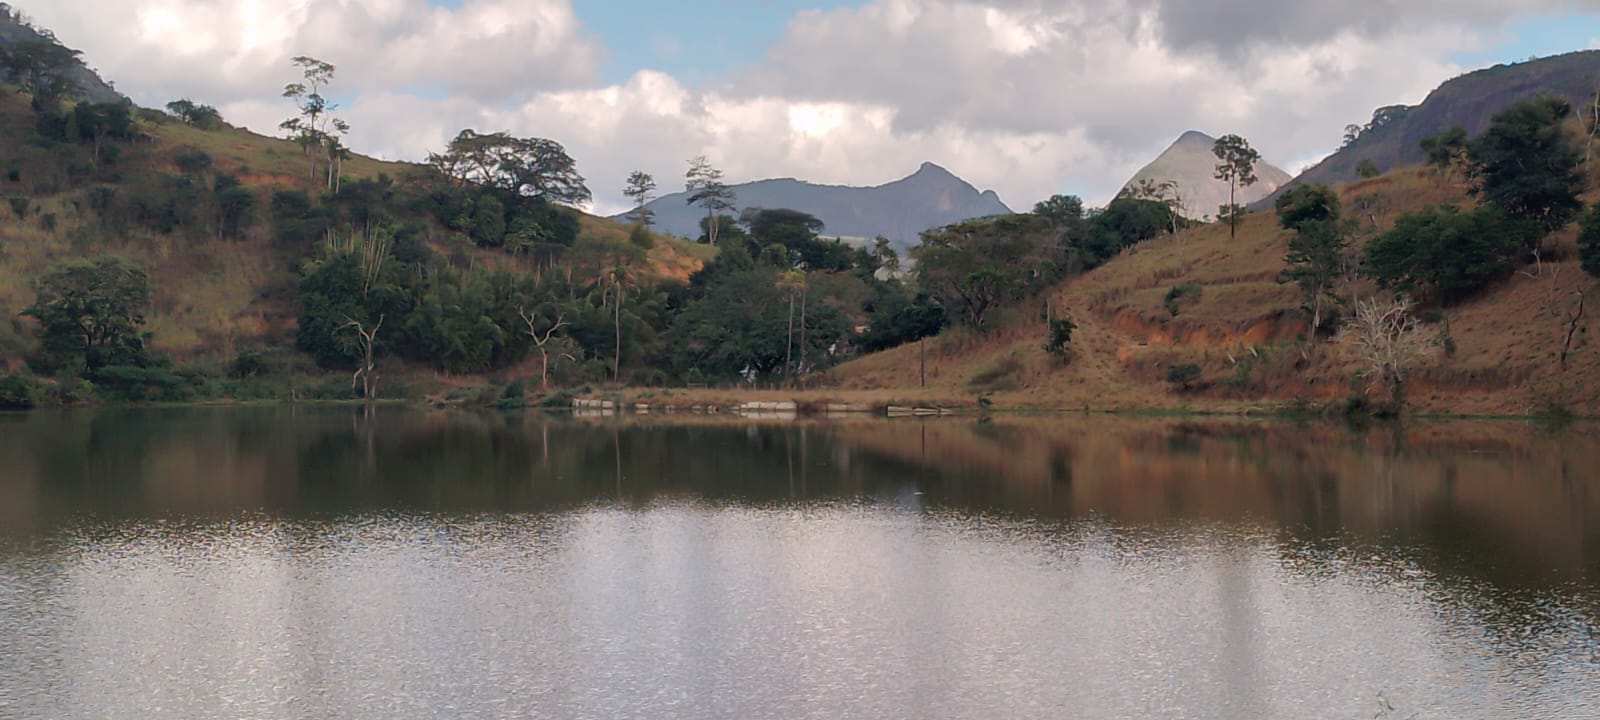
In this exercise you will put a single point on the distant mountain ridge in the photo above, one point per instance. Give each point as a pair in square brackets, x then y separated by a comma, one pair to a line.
[1190, 163]
[1469, 100]
[900, 211]
[15, 28]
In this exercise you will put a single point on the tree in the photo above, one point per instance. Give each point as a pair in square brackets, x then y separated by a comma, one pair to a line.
[1390, 342]
[641, 189]
[95, 122]
[91, 313]
[885, 256]
[1446, 151]
[43, 69]
[1060, 209]
[1303, 204]
[1527, 165]
[314, 127]
[706, 189]
[1367, 170]
[191, 113]
[1315, 262]
[1444, 253]
[551, 320]
[366, 345]
[1236, 164]
[1589, 240]
[976, 266]
[524, 167]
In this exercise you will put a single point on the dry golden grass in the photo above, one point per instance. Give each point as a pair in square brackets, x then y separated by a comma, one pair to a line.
[1246, 330]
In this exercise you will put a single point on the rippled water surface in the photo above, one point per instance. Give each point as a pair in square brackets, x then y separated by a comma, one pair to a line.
[283, 563]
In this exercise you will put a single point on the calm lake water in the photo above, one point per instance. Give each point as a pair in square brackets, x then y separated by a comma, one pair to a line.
[311, 563]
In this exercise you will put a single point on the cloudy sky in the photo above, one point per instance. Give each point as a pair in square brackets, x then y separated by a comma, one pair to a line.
[1028, 97]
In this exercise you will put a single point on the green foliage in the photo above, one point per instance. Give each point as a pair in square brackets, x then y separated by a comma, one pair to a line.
[91, 313]
[999, 377]
[1315, 261]
[1060, 335]
[524, 167]
[19, 206]
[1445, 254]
[1367, 170]
[742, 322]
[204, 117]
[1183, 377]
[1304, 204]
[705, 188]
[1589, 240]
[900, 319]
[19, 392]
[192, 161]
[1061, 210]
[1446, 150]
[298, 224]
[1236, 165]
[40, 68]
[1528, 166]
[1123, 223]
[1180, 295]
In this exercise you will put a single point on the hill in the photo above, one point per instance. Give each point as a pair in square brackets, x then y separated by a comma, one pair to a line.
[1244, 330]
[1190, 163]
[1392, 140]
[15, 28]
[929, 198]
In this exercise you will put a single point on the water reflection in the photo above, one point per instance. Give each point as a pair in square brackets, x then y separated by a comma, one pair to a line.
[283, 562]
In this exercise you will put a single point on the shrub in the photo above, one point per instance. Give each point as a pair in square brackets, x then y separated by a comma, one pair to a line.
[192, 161]
[19, 392]
[1060, 334]
[1177, 297]
[19, 207]
[1182, 377]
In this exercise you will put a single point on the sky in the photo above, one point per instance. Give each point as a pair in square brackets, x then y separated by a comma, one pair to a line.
[1030, 98]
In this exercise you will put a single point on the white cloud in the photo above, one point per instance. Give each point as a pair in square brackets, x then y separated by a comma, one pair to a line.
[1028, 97]
[222, 51]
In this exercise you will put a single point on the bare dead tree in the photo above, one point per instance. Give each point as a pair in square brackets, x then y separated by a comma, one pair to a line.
[367, 340]
[541, 341]
[1390, 342]
[1574, 318]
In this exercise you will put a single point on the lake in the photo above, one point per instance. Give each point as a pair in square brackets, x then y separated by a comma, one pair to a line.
[298, 562]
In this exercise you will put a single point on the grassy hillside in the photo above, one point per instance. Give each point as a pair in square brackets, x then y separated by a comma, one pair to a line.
[213, 298]
[1245, 330]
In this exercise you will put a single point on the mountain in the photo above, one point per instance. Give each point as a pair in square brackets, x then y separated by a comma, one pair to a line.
[15, 28]
[1189, 163]
[1393, 139]
[929, 198]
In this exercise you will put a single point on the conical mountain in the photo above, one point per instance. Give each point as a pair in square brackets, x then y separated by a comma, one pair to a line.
[1190, 164]
[929, 198]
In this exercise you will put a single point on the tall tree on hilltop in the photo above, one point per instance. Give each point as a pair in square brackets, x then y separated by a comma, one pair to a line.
[314, 128]
[641, 189]
[1236, 164]
[527, 167]
[706, 189]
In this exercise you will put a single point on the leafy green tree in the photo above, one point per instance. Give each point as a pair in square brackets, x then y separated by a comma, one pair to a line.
[1315, 262]
[1527, 165]
[194, 114]
[1446, 150]
[977, 266]
[234, 206]
[1589, 240]
[41, 68]
[96, 123]
[1236, 165]
[1368, 170]
[1445, 254]
[706, 189]
[1303, 204]
[314, 127]
[1062, 210]
[641, 189]
[524, 167]
[91, 313]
